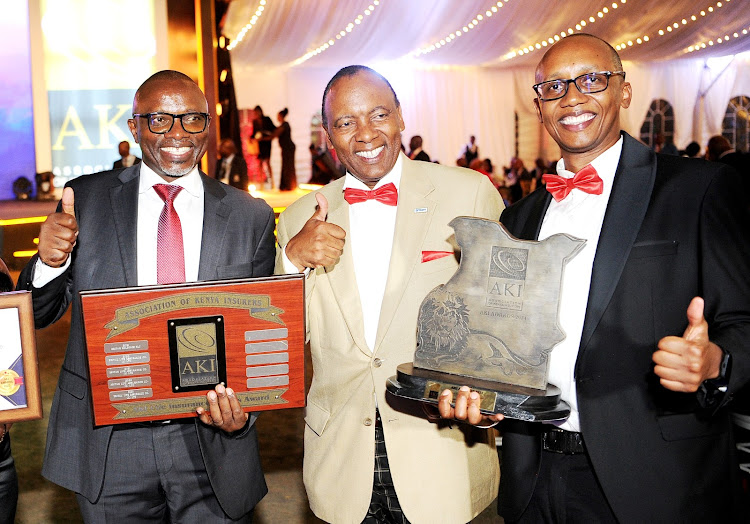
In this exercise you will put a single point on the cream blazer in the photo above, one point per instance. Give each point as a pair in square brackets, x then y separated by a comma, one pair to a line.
[441, 474]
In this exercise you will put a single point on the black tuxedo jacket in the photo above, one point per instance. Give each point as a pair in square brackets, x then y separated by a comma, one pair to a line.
[237, 242]
[237, 172]
[674, 228]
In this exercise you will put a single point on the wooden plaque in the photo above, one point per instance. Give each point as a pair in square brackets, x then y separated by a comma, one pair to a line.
[154, 352]
[20, 395]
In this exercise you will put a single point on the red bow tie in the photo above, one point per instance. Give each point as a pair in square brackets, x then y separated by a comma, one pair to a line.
[587, 180]
[387, 194]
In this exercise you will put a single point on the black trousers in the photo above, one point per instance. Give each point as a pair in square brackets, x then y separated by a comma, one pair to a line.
[567, 491]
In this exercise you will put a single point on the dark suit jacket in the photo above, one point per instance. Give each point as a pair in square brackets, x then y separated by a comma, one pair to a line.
[674, 228]
[118, 163]
[237, 172]
[237, 242]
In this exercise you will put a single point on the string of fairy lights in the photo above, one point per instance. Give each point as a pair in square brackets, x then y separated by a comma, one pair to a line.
[678, 24]
[254, 20]
[351, 26]
[494, 9]
[437, 44]
[600, 14]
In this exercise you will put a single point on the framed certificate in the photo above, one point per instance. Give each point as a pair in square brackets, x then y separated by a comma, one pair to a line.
[20, 396]
[154, 352]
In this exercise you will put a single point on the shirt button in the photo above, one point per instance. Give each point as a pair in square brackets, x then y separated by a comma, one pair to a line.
[377, 362]
[368, 421]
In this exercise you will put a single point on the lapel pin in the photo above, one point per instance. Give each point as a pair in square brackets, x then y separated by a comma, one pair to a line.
[420, 210]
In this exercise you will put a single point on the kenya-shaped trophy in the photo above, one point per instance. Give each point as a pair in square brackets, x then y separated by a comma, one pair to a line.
[492, 325]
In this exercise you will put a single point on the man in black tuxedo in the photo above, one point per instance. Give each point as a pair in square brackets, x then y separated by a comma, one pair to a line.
[231, 167]
[649, 437]
[105, 234]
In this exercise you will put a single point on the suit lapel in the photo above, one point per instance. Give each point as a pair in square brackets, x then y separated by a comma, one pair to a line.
[123, 201]
[215, 219]
[628, 203]
[408, 237]
[341, 276]
[533, 225]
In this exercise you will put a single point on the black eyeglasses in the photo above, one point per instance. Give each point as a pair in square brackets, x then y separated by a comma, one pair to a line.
[160, 123]
[587, 83]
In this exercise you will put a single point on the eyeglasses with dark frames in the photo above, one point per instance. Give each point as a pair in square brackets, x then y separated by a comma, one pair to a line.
[160, 123]
[586, 83]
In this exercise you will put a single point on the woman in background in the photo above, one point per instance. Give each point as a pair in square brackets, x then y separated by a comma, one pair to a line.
[288, 180]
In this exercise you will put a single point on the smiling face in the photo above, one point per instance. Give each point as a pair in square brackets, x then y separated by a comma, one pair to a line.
[175, 153]
[364, 126]
[583, 125]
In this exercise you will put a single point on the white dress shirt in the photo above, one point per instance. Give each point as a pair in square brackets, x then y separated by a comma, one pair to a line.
[580, 215]
[371, 227]
[189, 207]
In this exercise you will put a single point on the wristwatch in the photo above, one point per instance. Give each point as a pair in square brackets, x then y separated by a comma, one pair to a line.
[712, 390]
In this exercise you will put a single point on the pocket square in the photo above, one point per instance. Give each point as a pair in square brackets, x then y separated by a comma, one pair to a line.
[434, 255]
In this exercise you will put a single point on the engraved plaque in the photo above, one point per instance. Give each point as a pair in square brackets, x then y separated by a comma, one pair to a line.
[495, 321]
[128, 358]
[120, 347]
[196, 348]
[155, 351]
[128, 371]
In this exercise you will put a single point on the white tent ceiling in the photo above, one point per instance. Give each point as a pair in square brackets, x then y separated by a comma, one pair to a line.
[287, 29]
[470, 84]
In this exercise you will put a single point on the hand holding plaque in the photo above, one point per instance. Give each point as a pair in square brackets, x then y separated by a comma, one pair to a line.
[493, 324]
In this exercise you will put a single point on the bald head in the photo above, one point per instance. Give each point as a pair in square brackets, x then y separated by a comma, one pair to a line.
[167, 79]
[578, 40]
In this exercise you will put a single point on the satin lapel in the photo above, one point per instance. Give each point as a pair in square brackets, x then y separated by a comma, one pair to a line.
[408, 239]
[533, 225]
[215, 218]
[341, 276]
[628, 203]
[123, 201]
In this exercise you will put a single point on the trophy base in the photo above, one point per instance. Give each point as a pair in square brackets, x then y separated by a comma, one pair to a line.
[516, 402]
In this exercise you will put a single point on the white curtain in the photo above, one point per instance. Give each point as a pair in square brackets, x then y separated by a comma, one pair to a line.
[446, 105]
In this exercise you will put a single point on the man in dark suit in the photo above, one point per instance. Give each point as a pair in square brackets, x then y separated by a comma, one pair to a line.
[649, 436]
[416, 152]
[126, 159]
[231, 167]
[106, 235]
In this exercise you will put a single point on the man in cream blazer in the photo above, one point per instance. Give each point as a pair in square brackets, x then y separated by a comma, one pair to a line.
[347, 406]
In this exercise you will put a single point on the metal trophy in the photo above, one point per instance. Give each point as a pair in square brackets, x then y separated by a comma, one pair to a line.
[492, 325]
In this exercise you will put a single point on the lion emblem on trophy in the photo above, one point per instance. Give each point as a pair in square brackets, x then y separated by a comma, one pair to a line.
[443, 326]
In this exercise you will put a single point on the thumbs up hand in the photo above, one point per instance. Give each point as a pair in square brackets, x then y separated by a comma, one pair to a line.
[683, 363]
[318, 244]
[58, 234]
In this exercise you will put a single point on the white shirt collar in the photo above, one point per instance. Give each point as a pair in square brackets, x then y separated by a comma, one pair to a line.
[605, 164]
[393, 176]
[191, 182]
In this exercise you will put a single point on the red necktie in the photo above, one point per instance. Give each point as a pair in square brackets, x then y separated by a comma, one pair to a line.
[170, 255]
[587, 180]
[387, 194]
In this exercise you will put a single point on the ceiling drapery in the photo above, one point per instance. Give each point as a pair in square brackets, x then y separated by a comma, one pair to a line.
[288, 29]
[469, 85]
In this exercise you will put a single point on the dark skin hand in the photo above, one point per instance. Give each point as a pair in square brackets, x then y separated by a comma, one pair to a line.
[466, 408]
[318, 244]
[224, 410]
[683, 363]
[58, 234]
